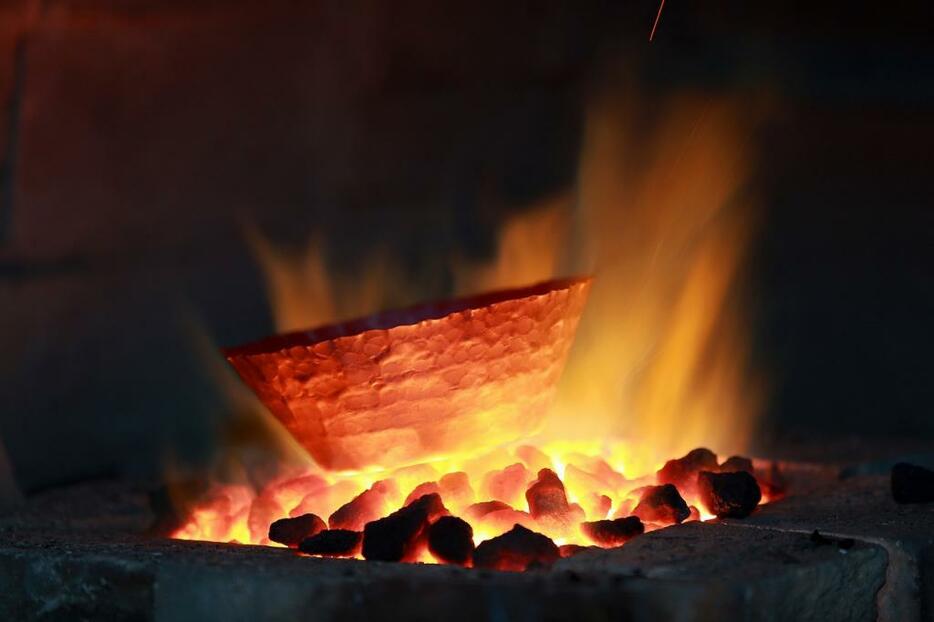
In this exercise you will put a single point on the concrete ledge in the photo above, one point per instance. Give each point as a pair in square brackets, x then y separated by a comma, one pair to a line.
[862, 508]
[47, 577]
[737, 573]
[750, 576]
[82, 551]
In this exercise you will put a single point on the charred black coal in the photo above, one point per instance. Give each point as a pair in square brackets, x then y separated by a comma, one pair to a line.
[683, 471]
[450, 539]
[912, 483]
[291, 531]
[615, 532]
[398, 537]
[518, 549]
[425, 488]
[733, 495]
[662, 504]
[333, 543]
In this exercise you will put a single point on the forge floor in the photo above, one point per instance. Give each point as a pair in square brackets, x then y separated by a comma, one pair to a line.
[81, 553]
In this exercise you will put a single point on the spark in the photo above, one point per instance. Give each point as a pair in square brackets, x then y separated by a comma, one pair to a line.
[657, 17]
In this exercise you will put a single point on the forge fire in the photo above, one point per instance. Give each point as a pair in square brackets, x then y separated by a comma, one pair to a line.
[543, 506]
[466, 311]
[453, 391]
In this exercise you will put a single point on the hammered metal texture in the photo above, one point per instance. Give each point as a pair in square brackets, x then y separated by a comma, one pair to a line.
[434, 380]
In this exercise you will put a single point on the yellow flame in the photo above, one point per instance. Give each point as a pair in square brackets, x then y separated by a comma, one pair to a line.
[658, 214]
[661, 353]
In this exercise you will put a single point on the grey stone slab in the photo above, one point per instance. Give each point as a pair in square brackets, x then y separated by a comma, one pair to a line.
[737, 573]
[690, 572]
[862, 507]
[51, 577]
[108, 507]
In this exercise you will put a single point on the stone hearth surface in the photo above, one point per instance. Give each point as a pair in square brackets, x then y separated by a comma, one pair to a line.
[87, 552]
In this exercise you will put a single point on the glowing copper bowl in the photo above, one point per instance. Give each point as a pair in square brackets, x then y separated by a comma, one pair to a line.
[405, 386]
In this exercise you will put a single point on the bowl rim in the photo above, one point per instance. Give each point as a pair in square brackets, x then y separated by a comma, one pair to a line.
[404, 316]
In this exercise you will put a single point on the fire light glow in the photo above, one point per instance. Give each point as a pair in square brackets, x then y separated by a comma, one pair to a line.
[233, 513]
[659, 365]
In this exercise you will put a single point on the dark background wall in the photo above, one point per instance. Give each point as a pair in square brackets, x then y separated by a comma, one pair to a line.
[137, 137]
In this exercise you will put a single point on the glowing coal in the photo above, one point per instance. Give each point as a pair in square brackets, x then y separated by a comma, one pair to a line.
[389, 517]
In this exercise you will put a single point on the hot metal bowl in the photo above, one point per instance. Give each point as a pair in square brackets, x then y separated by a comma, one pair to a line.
[406, 386]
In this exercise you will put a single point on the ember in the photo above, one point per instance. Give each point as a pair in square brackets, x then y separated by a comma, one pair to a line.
[546, 496]
[570, 550]
[439, 521]
[662, 504]
[364, 508]
[610, 533]
[399, 536]
[517, 549]
[507, 485]
[737, 463]
[291, 531]
[733, 495]
[478, 510]
[683, 471]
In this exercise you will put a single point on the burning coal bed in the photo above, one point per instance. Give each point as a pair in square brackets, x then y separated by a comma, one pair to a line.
[446, 387]
[515, 518]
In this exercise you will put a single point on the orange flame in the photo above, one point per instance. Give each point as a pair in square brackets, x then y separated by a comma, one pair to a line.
[661, 360]
[660, 217]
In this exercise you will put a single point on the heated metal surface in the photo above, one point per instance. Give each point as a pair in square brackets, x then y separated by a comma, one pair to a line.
[409, 385]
